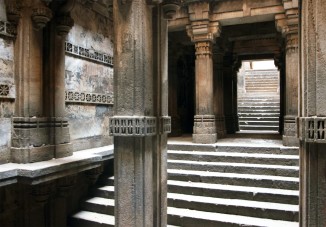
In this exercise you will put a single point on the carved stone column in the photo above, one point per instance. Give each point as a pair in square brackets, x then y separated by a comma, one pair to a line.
[279, 63]
[140, 121]
[236, 67]
[312, 130]
[288, 25]
[218, 91]
[29, 135]
[203, 33]
[54, 78]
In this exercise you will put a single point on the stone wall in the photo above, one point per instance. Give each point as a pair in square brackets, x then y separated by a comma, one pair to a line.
[89, 78]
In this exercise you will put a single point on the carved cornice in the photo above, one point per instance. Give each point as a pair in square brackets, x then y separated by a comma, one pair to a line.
[312, 129]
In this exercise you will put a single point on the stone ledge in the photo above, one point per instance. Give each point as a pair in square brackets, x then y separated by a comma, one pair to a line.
[39, 172]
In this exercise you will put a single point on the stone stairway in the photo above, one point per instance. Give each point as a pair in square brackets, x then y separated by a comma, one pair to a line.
[259, 106]
[223, 185]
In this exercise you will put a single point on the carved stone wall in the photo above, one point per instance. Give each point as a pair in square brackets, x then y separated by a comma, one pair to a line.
[7, 87]
[89, 78]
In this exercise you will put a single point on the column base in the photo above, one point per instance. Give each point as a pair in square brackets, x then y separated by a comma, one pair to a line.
[39, 139]
[290, 137]
[204, 138]
[220, 126]
[38, 154]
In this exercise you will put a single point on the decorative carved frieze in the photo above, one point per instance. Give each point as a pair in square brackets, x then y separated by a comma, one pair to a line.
[87, 97]
[203, 49]
[132, 126]
[7, 29]
[313, 129]
[89, 54]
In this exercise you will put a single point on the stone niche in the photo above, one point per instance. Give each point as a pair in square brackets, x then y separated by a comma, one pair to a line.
[89, 78]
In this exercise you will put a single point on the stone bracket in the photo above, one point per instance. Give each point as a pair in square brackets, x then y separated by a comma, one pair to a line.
[138, 126]
[312, 129]
[203, 31]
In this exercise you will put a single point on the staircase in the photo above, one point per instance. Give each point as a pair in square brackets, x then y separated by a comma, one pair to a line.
[218, 185]
[259, 105]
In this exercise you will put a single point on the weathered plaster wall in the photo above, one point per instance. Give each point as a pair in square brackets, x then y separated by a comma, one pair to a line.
[89, 121]
[7, 91]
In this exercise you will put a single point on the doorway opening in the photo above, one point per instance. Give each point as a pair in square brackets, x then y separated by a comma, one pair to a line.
[259, 96]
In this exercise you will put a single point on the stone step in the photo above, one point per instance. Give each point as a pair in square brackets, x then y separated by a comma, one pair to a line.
[259, 108]
[269, 210]
[259, 127]
[283, 196]
[270, 97]
[250, 104]
[92, 219]
[257, 158]
[259, 122]
[99, 205]
[232, 167]
[193, 218]
[257, 115]
[252, 180]
[259, 119]
[237, 148]
[105, 192]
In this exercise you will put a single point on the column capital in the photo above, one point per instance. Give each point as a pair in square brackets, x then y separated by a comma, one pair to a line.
[41, 15]
[204, 31]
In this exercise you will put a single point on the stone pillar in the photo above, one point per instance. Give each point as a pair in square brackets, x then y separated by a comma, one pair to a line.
[236, 67]
[203, 33]
[312, 128]
[29, 135]
[173, 90]
[218, 91]
[228, 94]
[54, 79]
[140, 121]
[288, 25]
[279, 63]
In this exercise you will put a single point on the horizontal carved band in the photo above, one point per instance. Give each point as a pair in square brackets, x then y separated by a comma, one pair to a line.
[132, 126]
[39, 122]
[89, 54]
[7, 29]
[85, 97]
[313, 129]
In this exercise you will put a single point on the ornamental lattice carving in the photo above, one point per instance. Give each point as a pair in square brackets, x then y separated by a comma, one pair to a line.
[87, 97]
[132, 126]
[89, 54]
[4, 90]
[313, 129]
